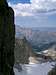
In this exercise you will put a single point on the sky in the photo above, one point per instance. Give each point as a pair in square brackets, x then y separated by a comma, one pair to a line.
[34, 13]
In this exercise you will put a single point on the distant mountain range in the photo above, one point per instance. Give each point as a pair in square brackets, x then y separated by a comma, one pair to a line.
[41, 38]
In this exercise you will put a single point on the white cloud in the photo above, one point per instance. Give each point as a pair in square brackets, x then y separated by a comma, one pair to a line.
[36, 7]
[23, 14]
[21, 9]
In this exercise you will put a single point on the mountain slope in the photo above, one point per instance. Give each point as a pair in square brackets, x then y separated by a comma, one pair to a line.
[39, 38]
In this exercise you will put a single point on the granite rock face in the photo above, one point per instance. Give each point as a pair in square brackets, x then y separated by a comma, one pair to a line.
[22, 51]
[7, 39]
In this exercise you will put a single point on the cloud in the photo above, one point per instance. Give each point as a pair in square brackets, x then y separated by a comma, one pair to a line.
[36, 7]
[21, 9]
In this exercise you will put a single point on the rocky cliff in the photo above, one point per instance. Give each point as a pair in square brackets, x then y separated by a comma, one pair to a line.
[7, 39]
[22, 51]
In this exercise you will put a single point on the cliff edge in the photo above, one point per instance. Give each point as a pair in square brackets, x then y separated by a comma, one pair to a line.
[7, 39]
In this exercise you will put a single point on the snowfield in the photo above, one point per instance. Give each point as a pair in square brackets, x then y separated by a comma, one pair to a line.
[35, 69]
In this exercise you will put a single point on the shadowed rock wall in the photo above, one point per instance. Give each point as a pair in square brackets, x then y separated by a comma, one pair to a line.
[7, 39]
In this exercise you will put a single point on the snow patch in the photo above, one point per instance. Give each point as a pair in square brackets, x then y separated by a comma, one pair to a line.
[34, 69]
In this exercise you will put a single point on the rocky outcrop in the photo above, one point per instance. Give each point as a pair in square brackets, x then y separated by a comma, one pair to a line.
[22, 51]
[7, 39]
[53, 71]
